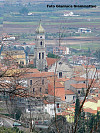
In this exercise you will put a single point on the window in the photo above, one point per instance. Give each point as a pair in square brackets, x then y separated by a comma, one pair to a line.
[30, 82]
[60, 63]
[73, 97]
[41, 43]
[65, 97]
[40, 89]
[33, 90]
[22, 62]
[59, 110]
[78, 92]
[39, 55]
[60, 74]
[42, 81]
[42, 55]
[57, 105]
[40, 36]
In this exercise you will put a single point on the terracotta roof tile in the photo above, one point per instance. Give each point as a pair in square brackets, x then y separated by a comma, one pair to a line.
[79, 79]
[63, 113]
[79, 86]
[51, 61]
[69, 92]
[90, 110]
[98, 108]
[37, 75]
[89, 66]
[30, 70]
[62, 79]
[96, 98]
[92, 100]
[59, 92]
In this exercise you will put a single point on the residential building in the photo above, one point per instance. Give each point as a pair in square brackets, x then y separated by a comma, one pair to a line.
[70, 96]
[84, 30]
[17, 56]
[49, 105]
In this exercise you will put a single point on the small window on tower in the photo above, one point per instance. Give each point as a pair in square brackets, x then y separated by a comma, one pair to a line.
[39, 55]
[40, 36]
[42, 55]
[41, 43]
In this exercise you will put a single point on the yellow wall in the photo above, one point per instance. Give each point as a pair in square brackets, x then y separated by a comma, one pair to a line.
[92, 105]
[19, 57]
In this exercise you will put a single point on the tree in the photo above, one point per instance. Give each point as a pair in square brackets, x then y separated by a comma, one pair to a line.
[82, 92]
[77, 106]
[10, 130]
[97, 54]
[50, 55]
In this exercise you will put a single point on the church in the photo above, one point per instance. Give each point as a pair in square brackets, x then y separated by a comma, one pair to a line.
[43, 63]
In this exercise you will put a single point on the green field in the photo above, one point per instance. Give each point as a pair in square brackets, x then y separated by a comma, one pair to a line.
[85, 46]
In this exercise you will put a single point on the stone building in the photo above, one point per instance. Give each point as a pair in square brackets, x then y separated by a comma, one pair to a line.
[39, 51]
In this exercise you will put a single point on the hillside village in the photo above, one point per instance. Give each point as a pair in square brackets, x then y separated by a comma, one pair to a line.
[35, 83]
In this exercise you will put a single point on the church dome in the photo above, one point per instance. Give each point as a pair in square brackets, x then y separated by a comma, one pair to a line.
[40, 29]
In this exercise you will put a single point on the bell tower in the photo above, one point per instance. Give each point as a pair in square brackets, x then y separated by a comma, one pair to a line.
[40, 51]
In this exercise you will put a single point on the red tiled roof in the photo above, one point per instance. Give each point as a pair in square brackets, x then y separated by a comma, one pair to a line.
[51, 61]
[63, 113]
[88, 66]
[57, 84]
[71, 109]
[79, 79]
[37, 75]
[96, 98]
[30, 70]
[79, 86]
[59, 90]
[90, 110]
[92, 100]
[98, 108]
[69, 92]
[62, 79]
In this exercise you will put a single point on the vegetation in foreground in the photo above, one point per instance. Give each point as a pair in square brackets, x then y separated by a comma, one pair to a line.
[10, 130]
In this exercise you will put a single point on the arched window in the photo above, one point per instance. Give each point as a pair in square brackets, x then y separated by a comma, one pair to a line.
[41, 43]
[42, 55]
[39, 55]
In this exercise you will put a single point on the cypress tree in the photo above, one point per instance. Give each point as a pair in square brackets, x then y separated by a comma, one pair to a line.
[77, 106]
